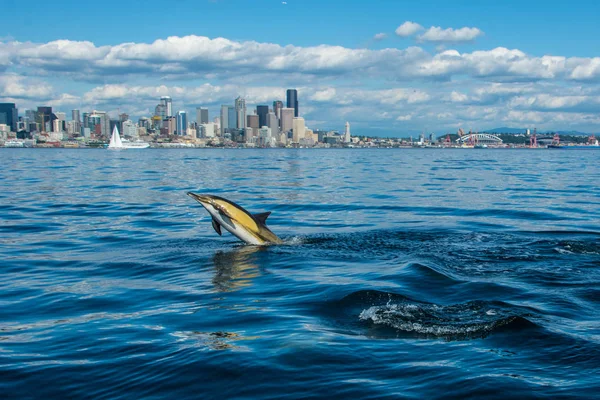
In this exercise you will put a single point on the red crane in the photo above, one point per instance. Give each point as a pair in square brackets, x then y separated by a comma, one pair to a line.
[533, 139]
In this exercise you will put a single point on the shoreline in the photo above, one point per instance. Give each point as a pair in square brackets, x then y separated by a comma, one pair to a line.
[307, 148]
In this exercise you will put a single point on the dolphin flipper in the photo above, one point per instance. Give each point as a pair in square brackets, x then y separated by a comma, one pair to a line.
[262, 217]
[216, 226]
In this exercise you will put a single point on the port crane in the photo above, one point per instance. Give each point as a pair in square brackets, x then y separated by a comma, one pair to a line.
[533, 139]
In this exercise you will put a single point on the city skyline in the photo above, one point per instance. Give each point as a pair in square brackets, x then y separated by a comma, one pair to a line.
[263, 126]
[411, 70]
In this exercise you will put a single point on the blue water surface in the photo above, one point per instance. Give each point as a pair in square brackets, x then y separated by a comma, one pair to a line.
[404, 274]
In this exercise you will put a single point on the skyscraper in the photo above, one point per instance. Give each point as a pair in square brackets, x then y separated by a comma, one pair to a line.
[273, 123]
[277, 106]
[181, 123]
[29, 121]
[76, 121]
[86, 120]
[161, 111]
[30, 115]
[232, 115]
[59, 123]
[292, 100]
[44, 118]
[262, 112]
[252, 122]
[201, 115]
[287, 118]
[240, 111]
[167, 102]
[224, 120]
[228, 118]
[9, 115]
[299, 129]
[94, 123]
[101, 123]
[122, 118]
[170, 124]
[144, 122]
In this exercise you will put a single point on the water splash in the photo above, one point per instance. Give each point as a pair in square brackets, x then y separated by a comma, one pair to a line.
[468, 320]
[387, 314]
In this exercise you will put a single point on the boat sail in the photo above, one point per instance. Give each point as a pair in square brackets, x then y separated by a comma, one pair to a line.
[117, 144]
[115, 141]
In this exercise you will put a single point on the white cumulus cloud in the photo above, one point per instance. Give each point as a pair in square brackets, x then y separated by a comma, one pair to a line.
[457, 97]
[324, 95]
[408, 28]
[450, 35]
[18, 87]
[379, 88]
[196, 57]
[586, 69]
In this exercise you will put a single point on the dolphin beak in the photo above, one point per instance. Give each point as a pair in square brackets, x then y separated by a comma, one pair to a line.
[202, 199]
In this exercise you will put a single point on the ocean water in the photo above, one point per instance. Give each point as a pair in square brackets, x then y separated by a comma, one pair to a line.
[404, 274]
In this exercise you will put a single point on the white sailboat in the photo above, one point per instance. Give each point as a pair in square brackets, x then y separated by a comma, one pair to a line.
[117, 144]
[115, 141]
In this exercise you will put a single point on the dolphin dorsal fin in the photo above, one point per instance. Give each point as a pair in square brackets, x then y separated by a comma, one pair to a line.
[262, 217]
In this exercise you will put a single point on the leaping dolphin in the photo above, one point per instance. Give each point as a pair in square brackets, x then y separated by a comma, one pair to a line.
[247, 227]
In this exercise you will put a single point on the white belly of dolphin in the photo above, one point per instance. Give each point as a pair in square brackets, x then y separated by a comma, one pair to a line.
[243, 234]
[239, 231]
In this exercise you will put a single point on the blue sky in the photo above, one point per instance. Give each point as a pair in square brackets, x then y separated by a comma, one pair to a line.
[517, 63]
[538, 27]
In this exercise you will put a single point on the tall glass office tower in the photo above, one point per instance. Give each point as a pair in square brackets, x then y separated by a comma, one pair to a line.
[292, 100]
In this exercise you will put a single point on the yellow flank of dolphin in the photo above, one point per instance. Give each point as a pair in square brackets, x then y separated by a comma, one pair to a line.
[236, 214]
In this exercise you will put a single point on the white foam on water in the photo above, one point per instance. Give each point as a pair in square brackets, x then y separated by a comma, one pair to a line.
[431, 319]
[294, 241]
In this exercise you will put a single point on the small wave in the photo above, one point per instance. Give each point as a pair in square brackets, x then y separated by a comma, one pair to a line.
[428, 273]
[578, 247]
[405, 316]
[461, 321]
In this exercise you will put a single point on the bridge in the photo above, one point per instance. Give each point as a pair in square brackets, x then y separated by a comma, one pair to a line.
[479, 138]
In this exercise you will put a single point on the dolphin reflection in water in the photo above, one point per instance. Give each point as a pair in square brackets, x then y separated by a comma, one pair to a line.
[250, 228]
[236, 268]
